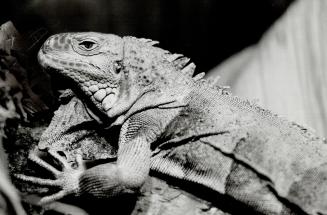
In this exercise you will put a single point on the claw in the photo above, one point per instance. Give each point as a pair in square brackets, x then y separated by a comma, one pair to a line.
[33, 157]
[38, 181]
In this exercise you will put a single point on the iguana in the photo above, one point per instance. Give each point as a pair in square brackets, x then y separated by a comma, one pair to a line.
[200, 134]
[76, 135]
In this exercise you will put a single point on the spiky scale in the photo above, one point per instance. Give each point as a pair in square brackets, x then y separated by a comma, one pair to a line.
[173, 57]
[199, 76]
[149, 41]
[181, 62]
[189, 70]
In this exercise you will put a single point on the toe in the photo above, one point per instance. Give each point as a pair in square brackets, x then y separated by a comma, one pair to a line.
[42, 163]
[54, 197]
[62, 161]
[38, 181]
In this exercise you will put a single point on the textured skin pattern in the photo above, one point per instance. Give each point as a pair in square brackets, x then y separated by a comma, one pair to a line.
[193, 131]
[76, 133]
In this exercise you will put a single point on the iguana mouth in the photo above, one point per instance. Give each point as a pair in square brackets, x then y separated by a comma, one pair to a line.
[105, 97]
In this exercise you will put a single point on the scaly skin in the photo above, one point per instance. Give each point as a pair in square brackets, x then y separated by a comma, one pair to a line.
[195, 132]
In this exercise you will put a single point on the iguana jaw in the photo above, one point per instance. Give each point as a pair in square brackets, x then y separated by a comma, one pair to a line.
[103, 93]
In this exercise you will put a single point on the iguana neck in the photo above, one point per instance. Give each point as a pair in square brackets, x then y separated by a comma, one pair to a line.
[167, 98]
[149, 79]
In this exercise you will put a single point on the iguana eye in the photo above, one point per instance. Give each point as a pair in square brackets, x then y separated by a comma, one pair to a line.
[87, 45]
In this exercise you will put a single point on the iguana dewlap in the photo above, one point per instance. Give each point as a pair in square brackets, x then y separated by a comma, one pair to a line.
[199, 133]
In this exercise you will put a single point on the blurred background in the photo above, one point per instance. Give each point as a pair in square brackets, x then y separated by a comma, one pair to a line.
[208, 31]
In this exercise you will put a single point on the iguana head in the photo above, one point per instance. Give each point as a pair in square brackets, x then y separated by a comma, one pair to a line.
[92, 60]
[113, 71]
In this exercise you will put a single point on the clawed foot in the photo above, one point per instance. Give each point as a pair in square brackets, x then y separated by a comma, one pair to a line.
[67, 179]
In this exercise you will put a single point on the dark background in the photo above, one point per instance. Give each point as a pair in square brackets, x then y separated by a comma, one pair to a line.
[208, 31]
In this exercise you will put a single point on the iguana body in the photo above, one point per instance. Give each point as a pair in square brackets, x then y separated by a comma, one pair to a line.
[195, 132]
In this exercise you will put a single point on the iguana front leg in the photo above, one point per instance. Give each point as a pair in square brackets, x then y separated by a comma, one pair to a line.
[110, 179]
[132, 167]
